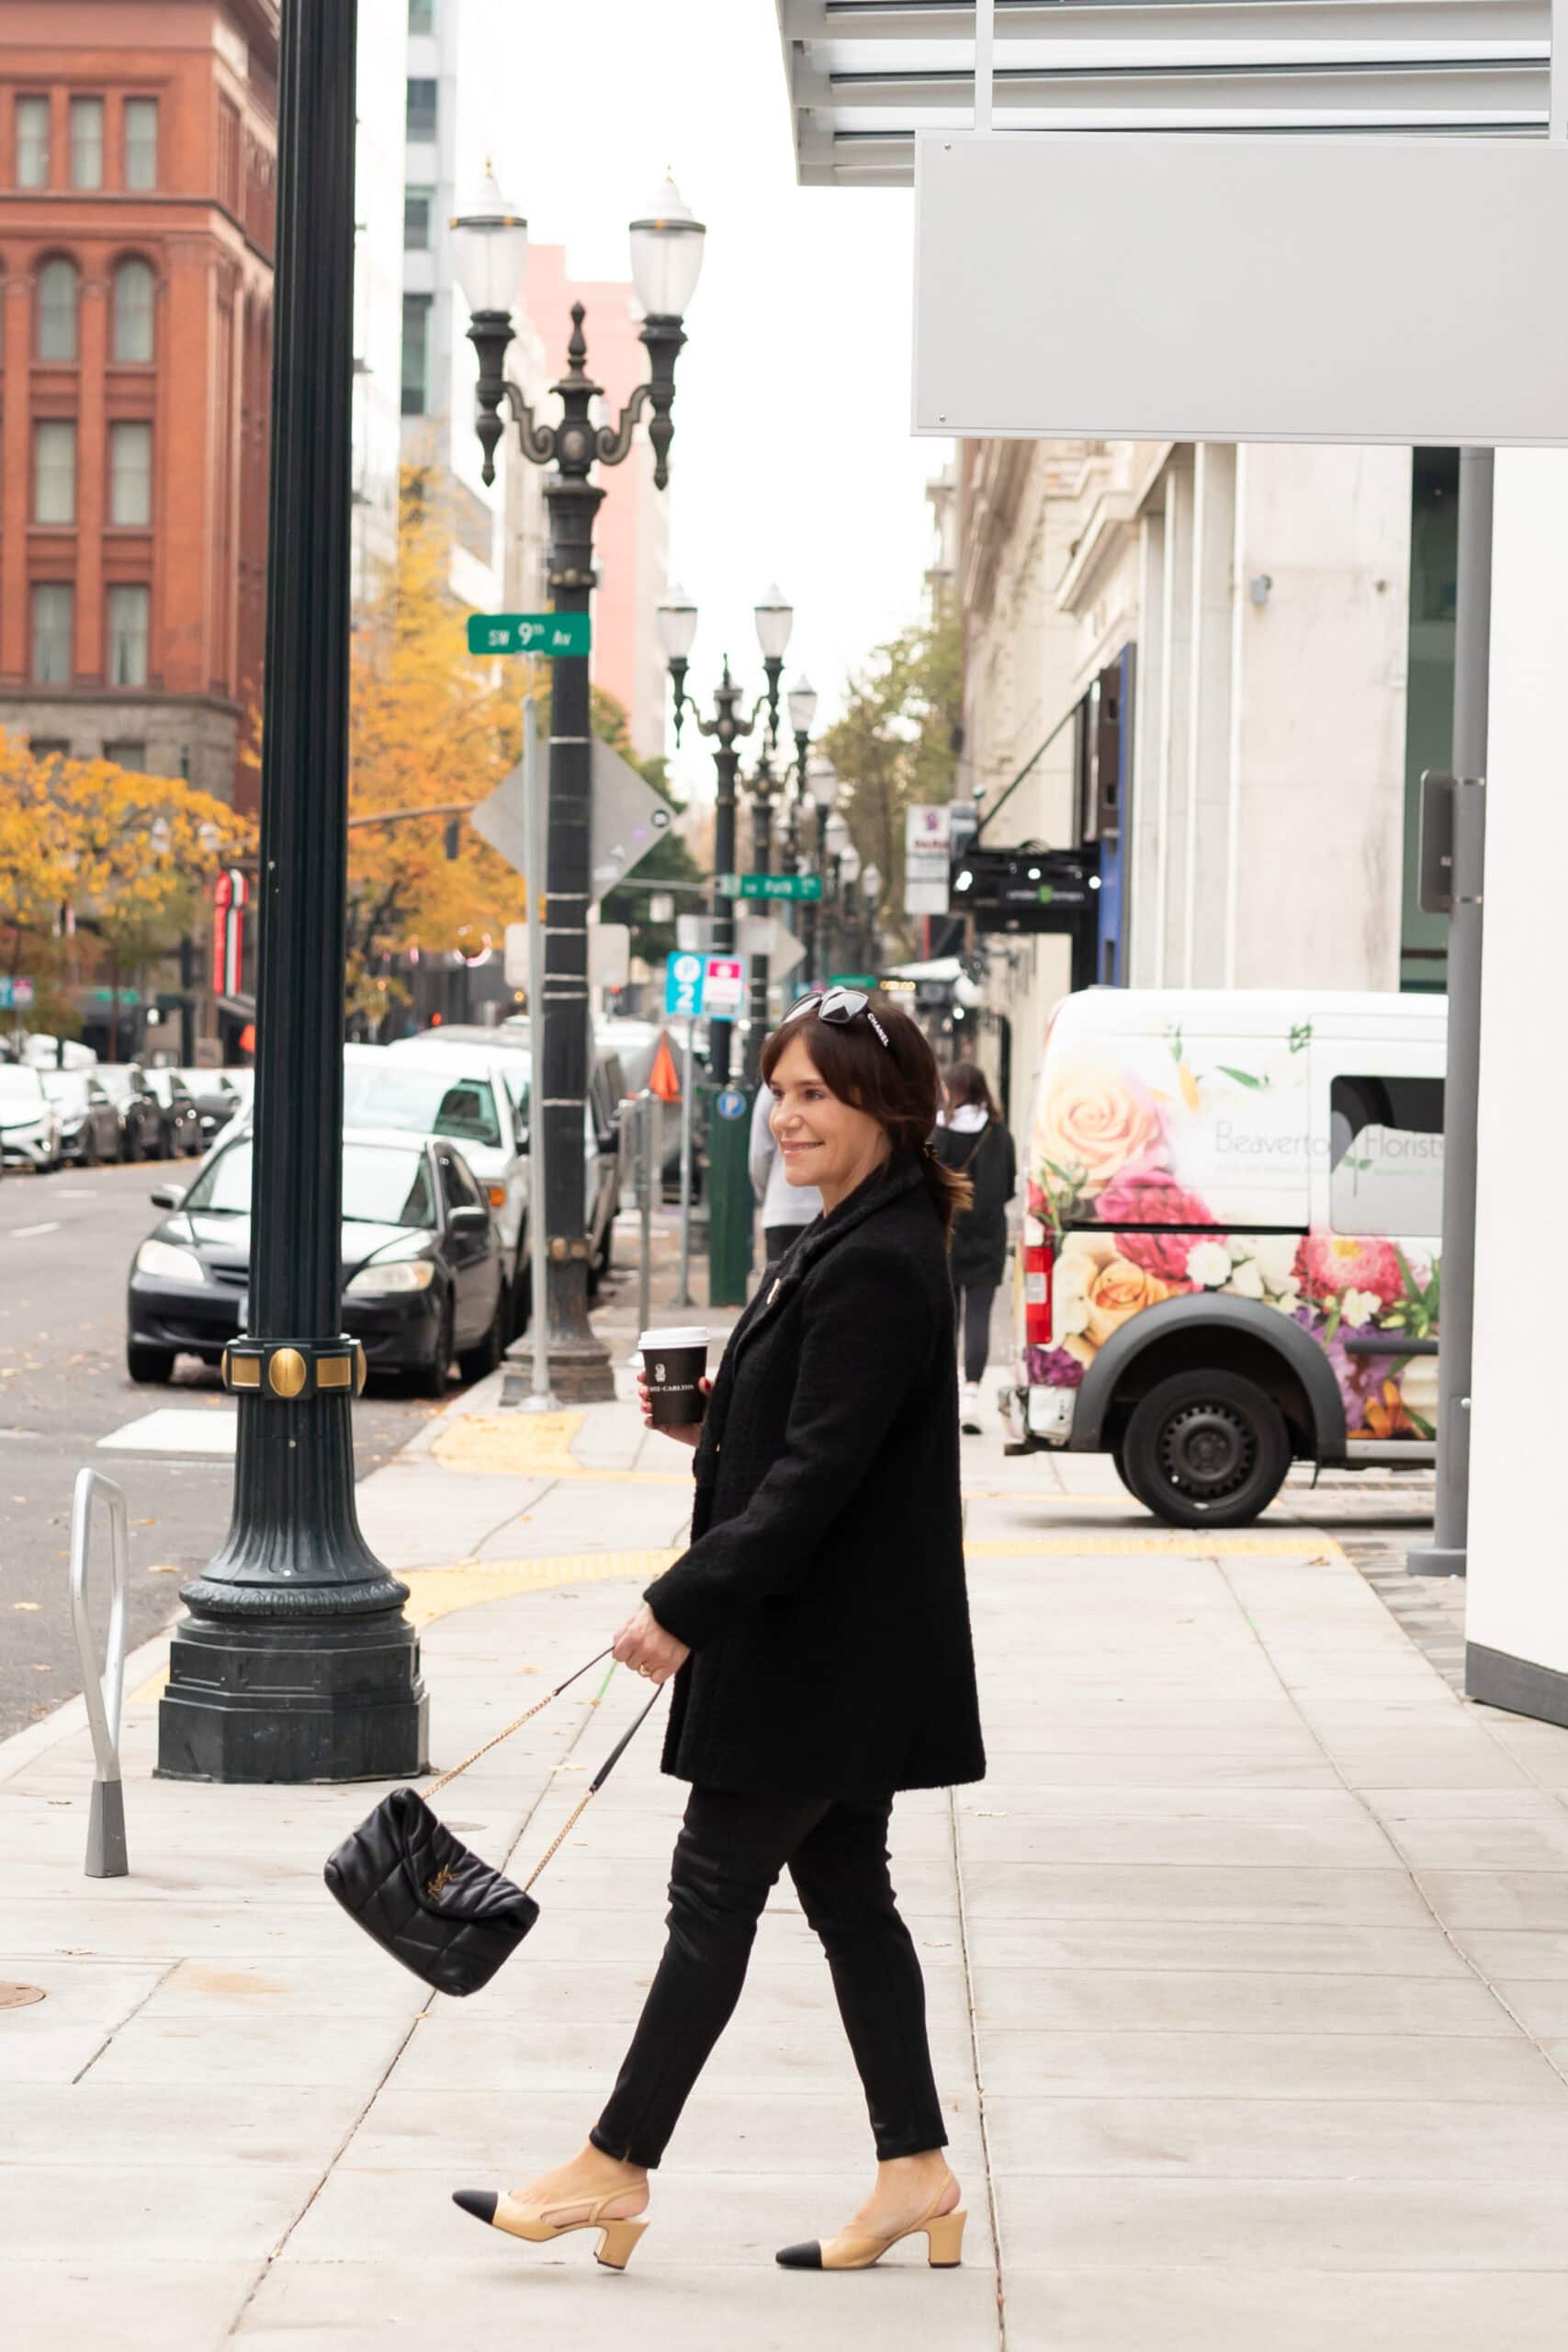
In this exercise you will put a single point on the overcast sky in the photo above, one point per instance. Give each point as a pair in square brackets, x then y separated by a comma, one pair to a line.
[792, 455]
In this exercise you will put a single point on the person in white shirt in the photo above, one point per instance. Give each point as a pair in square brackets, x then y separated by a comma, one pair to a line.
[787, 1209]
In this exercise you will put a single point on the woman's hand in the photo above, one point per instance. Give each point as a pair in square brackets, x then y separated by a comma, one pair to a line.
[644, 1645]
[684, 1433]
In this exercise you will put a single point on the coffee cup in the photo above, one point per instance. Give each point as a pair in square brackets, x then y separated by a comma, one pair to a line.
[674, 1362]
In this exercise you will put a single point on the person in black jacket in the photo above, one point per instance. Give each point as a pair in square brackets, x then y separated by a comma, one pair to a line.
[974, 1141]
[818, 1631]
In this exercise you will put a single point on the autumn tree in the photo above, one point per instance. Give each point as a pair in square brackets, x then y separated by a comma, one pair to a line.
[87, 846]
[895, 745]
[428, 725]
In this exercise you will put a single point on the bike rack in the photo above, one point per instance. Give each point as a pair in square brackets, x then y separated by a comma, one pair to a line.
[106, 1820]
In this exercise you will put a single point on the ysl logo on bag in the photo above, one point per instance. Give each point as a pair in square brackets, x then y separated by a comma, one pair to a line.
[441, 1882]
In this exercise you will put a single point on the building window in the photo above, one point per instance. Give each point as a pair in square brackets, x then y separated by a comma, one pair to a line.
[49, 747]
[228, 156]
[128, 636]
[128, 754]
[86, 143]
[133, 286]
[57, 284]
[130, 474]
[422, 15]
[142, 142]
[422, 110]
[54, 471]
[32, 143]
[53, 613]
[419, 206]
[416, 355]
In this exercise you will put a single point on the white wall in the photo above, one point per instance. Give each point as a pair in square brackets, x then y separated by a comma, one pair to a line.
[1517, 1590]
[381, 106]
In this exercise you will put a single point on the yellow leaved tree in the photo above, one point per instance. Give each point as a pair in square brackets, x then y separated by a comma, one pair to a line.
[429, 726]
[87, 847]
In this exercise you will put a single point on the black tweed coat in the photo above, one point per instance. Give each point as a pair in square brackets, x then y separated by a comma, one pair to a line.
[823, 1592]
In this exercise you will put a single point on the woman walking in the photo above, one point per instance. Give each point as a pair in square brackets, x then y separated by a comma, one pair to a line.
[817, 1630]
[974, 1142]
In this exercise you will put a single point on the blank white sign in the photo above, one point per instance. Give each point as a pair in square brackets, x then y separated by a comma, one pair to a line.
[1157, 287]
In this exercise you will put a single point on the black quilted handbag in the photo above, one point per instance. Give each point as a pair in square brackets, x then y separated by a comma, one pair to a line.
[425, 1897]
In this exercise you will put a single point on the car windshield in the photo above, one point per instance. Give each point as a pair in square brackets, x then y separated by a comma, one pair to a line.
[60, 1087]
[381, 1185]
[115, 1078]
[422, 1102]
[17, 1084]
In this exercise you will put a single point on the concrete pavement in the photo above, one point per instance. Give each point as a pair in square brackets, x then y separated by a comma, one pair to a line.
[1248, 1965]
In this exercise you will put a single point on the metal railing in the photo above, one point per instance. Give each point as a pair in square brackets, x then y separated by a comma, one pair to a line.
[105, 1695]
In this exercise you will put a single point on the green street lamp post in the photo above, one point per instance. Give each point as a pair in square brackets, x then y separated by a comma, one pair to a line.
[491, 246]
[822, 784]
[296, 1662]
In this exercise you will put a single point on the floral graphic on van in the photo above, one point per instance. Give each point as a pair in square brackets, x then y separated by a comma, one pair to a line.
[1149, 1176]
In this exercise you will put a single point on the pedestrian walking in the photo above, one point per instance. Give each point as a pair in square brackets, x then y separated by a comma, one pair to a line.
[973, 1140]
[817, 1631]
[787, 1209]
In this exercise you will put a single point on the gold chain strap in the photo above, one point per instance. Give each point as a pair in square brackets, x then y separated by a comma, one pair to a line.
[567, 1827]
[436, 1786]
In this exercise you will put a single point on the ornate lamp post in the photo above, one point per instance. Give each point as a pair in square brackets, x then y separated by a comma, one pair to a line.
[801, 703]
[871, 899]
[296, 1662]
[490, 247]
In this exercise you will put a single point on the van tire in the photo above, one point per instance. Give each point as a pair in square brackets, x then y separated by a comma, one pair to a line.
[1206, 1449]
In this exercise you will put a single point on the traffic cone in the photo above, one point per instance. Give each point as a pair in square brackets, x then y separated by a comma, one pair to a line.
[663, 1079]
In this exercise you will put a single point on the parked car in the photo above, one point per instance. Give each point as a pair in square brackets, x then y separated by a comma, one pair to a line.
[475, 1098]
[89, 1123]
[220, 1095]
[423, 1276]
[1232, 1240]
[600, 1120]
[30, 1124]
[182, 1121]
[143, 1133]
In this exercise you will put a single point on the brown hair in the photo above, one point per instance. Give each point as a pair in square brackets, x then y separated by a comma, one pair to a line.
[967, 1082]
[898, 1084]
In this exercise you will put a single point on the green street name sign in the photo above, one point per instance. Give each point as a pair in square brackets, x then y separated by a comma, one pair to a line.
[546, 635]
[777, 886]
[867, 980]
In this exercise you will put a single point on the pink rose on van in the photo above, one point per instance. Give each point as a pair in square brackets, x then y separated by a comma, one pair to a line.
[1095, 1122]
[1149, 1194]
[1328, 1264]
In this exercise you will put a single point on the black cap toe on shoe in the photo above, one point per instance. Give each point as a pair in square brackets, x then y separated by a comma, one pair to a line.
[808, 2256]
[480, 2202]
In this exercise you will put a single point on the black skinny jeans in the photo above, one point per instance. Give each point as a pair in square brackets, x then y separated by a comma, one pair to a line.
[728, 1856]
[978, 1299]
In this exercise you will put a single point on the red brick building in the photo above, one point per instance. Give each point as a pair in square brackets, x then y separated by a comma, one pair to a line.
[138, 155]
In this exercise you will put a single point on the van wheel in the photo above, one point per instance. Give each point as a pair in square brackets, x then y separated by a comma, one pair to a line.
[1206, 1449]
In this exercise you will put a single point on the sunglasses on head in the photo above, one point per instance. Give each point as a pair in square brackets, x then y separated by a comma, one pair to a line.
[839, 1006]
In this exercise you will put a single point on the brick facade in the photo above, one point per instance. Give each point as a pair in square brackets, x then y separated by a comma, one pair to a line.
[188, 193]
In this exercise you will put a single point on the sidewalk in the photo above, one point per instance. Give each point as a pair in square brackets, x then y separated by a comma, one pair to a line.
[1247, 1974]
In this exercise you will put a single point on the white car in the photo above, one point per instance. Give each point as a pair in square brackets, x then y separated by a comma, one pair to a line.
[477, 1098]
[30, 1124]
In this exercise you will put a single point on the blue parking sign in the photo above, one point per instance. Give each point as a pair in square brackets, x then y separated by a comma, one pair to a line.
[683, 986]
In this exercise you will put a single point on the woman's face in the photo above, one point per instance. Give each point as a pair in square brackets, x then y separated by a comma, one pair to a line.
[821, 1140]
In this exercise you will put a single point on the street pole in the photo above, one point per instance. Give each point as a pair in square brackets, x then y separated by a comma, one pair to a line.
[296, 1662]
[688, 1091]
[728, 730]
[762, 863]
[536, 825]
[1447, 1555]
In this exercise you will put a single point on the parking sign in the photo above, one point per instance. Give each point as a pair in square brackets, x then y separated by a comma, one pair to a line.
[724, 984]
[683, 987]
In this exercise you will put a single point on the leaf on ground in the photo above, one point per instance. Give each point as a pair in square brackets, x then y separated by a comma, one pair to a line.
[26, 1604]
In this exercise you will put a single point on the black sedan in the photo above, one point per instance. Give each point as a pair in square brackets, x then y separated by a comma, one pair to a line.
[143, 1132]
[182, 1121]
[423, 1278]
[89, 1123]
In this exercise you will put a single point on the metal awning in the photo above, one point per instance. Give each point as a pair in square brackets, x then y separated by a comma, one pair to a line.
[864, 76]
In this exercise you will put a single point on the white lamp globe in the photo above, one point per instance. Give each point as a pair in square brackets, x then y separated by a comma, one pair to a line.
[677, 624]
[490, 245]
[822, 781]
[667, 253]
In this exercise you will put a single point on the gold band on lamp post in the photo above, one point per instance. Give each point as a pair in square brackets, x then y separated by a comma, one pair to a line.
[289, 1371]
[285, 1372]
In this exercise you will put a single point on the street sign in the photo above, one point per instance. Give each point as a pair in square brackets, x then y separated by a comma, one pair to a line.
[625, 818]
[927, 836]
[683, 975]
[730, 1103]
[16, 996]
[778, 886]
[548, 635]
[724, 984]
[853, 981]
[755, 935]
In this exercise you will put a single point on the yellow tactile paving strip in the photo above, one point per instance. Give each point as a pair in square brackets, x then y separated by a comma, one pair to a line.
[1196, 1546]
[533, 1445]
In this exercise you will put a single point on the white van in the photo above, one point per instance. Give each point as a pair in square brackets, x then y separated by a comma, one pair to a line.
[1231, 1246]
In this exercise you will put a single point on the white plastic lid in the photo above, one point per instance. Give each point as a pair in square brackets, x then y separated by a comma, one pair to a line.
[677, 1336]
